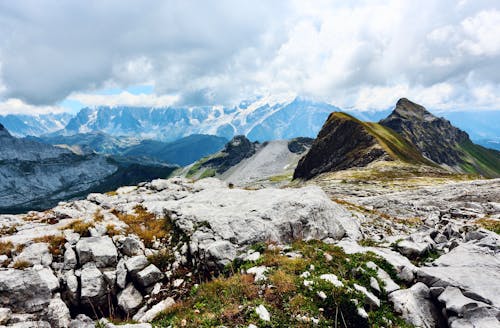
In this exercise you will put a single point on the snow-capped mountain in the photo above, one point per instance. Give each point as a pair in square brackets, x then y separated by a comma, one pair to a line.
[266, 118]
[21, 125]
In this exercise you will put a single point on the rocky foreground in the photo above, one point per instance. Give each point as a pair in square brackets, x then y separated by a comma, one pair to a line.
[180, 253]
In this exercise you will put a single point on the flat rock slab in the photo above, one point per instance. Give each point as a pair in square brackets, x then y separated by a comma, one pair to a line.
[222, 221]
[470, 267]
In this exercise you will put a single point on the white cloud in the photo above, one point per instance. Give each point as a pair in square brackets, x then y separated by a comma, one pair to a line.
[16, 106]
[482, 33]
[351, 53]
[124, 99]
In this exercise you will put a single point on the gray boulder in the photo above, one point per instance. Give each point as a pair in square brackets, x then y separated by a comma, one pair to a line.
[23, 291]
[5, 314]
[47, 276]
[129, 299]
[131, 246]
[389, 284]
[415, 306]
[471, 267]
[93, 286]
[70, 260]
[222, 221]
[37, 253]
[456, 302]
[82, 321]
[99, 250]
[149, 275]
[121, 274]
[155, 310]
[58, 313]
[136, 263]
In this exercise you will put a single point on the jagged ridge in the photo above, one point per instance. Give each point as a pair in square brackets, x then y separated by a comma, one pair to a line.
[438, 140]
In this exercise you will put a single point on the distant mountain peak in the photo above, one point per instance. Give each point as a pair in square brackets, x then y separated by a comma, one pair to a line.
[407, 109]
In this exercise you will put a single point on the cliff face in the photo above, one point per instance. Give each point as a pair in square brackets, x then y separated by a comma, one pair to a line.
[435, 137]
[234, 152]
[438, 140]
[37, 176]
[343, 142]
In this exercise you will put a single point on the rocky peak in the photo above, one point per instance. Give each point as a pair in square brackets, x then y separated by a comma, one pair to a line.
[435, 137]
[410, 110]
[234, 152]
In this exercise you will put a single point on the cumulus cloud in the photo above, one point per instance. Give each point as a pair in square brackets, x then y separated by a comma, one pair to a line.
[364, 54]
[16, 106]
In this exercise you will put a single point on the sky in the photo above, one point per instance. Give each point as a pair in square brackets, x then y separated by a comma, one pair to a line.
[64, 55]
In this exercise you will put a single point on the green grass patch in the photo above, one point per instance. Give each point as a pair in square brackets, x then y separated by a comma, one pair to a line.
[231, 298]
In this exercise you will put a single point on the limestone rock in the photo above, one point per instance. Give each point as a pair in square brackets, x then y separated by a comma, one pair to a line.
[131, 246]
[82, 321]
[47, 276]
[37, 253]
[136, 263]
[129, 299]
[93, 286]
[156, 309]
[149, 275]
[389, 284]
[415, 306]
[370, 299]
[23, 291]
[121, 274]
[259, 272]
[99, 250]
[70, 260]
[263, 313]
[456, 302]
[331, 278]
[58, 313]
[220, 221]
[470, 267]
[5, 314]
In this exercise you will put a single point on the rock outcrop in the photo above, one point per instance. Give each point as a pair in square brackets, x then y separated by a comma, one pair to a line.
[105, 262]
[234, 152]
[440, 141]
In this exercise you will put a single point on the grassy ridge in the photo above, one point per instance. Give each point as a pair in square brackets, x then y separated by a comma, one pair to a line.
[480, 160]
[395, 145]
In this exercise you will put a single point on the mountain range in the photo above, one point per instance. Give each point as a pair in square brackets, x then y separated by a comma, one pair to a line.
[181, 152]
[263, 119]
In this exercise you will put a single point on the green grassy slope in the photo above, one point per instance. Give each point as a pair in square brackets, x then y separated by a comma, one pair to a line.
[395, 145]
[480, 160]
